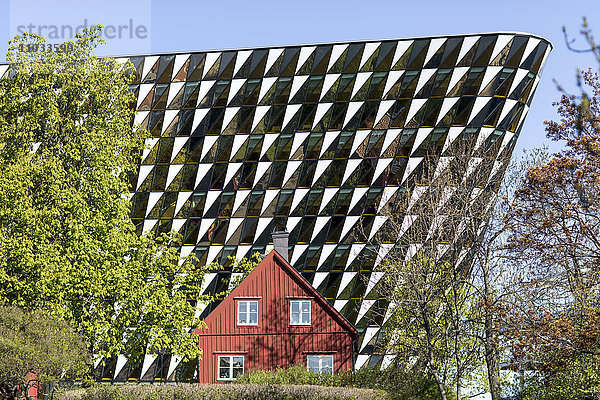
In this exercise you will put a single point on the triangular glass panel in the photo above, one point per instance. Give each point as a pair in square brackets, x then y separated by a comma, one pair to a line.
[258, 64]
[276, 67]
[180, 76]
[385, 57]
[516, 51]
[152, 74]
[161, 93]
[418, 54]
[436, 59]
[196, 67]
[322, 54]
[226, 66]
[290, 61]
[353, 56]
[484, 50]
[467, 59]
[138, 66]
[165, 69]
[370, 64]
[451, 52]
[306, 68]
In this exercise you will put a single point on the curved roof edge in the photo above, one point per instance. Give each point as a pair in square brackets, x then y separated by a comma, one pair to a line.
[336, 42]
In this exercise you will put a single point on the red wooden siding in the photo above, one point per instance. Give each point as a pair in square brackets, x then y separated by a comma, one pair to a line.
[274, 342]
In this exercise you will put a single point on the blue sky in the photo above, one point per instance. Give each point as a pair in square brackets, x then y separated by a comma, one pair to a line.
[168, 26]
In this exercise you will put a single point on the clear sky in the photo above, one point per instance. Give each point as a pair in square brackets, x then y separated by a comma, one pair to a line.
[144, 26]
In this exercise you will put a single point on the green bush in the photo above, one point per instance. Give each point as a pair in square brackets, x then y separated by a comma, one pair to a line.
[399, 383]
[186, 391]
[578, 379]
[295, 375]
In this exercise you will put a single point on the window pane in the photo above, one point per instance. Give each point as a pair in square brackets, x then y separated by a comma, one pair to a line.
[306, 306]
[224, 362]
[237, 372]
[295, 318]
[223, 373]
[306, 318]
[238, 362]
[313, 363]
[242, 306]
[295, 306]
[253, 306]
[253, 318]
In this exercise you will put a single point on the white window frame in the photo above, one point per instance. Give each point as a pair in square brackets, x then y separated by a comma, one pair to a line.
[247, 302]
[230, 368]
[321, 357]
[300, 301]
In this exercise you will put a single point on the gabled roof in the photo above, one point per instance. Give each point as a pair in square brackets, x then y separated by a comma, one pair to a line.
[277, 259]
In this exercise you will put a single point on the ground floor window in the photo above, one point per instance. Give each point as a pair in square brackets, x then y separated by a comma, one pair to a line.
[321, 363]
[230, 367]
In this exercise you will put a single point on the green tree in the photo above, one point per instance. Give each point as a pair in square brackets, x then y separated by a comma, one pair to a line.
[67, 243]
[35, 346]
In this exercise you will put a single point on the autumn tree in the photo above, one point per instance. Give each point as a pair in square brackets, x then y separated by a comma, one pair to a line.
[555, 234]
[67, 243]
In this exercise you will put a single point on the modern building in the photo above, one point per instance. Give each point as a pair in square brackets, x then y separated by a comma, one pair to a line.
[274, 318]
[314, 139]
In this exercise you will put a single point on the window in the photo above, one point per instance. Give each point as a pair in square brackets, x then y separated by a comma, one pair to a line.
[230, 367]
[321, 363]
[300, 312]
[247, 312]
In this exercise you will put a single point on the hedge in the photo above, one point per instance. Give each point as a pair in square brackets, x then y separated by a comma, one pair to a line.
[186, 391]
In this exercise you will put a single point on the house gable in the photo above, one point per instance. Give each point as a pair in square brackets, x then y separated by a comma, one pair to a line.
[274, 283]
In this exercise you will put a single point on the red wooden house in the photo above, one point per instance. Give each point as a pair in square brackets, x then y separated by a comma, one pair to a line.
[274, 318]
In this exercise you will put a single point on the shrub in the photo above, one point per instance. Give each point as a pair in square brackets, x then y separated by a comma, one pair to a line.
[399, 383]
[220, 392]
[295, 375]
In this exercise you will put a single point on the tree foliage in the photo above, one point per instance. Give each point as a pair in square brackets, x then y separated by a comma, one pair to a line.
[35, 346]
[555, 231]
[67, 243]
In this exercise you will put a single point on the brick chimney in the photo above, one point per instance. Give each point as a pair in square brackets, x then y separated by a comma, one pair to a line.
[280, 243]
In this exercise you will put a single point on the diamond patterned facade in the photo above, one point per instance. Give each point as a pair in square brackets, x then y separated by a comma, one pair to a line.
[311, 139]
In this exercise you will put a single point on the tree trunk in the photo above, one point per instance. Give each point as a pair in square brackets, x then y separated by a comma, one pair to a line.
[490, 338]
[438, 380]
[491, 361]
[431, 360]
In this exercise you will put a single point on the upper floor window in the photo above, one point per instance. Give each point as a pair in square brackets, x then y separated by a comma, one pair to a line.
[230, 367]
[321, 363]
[300, 312]
[247, 312]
